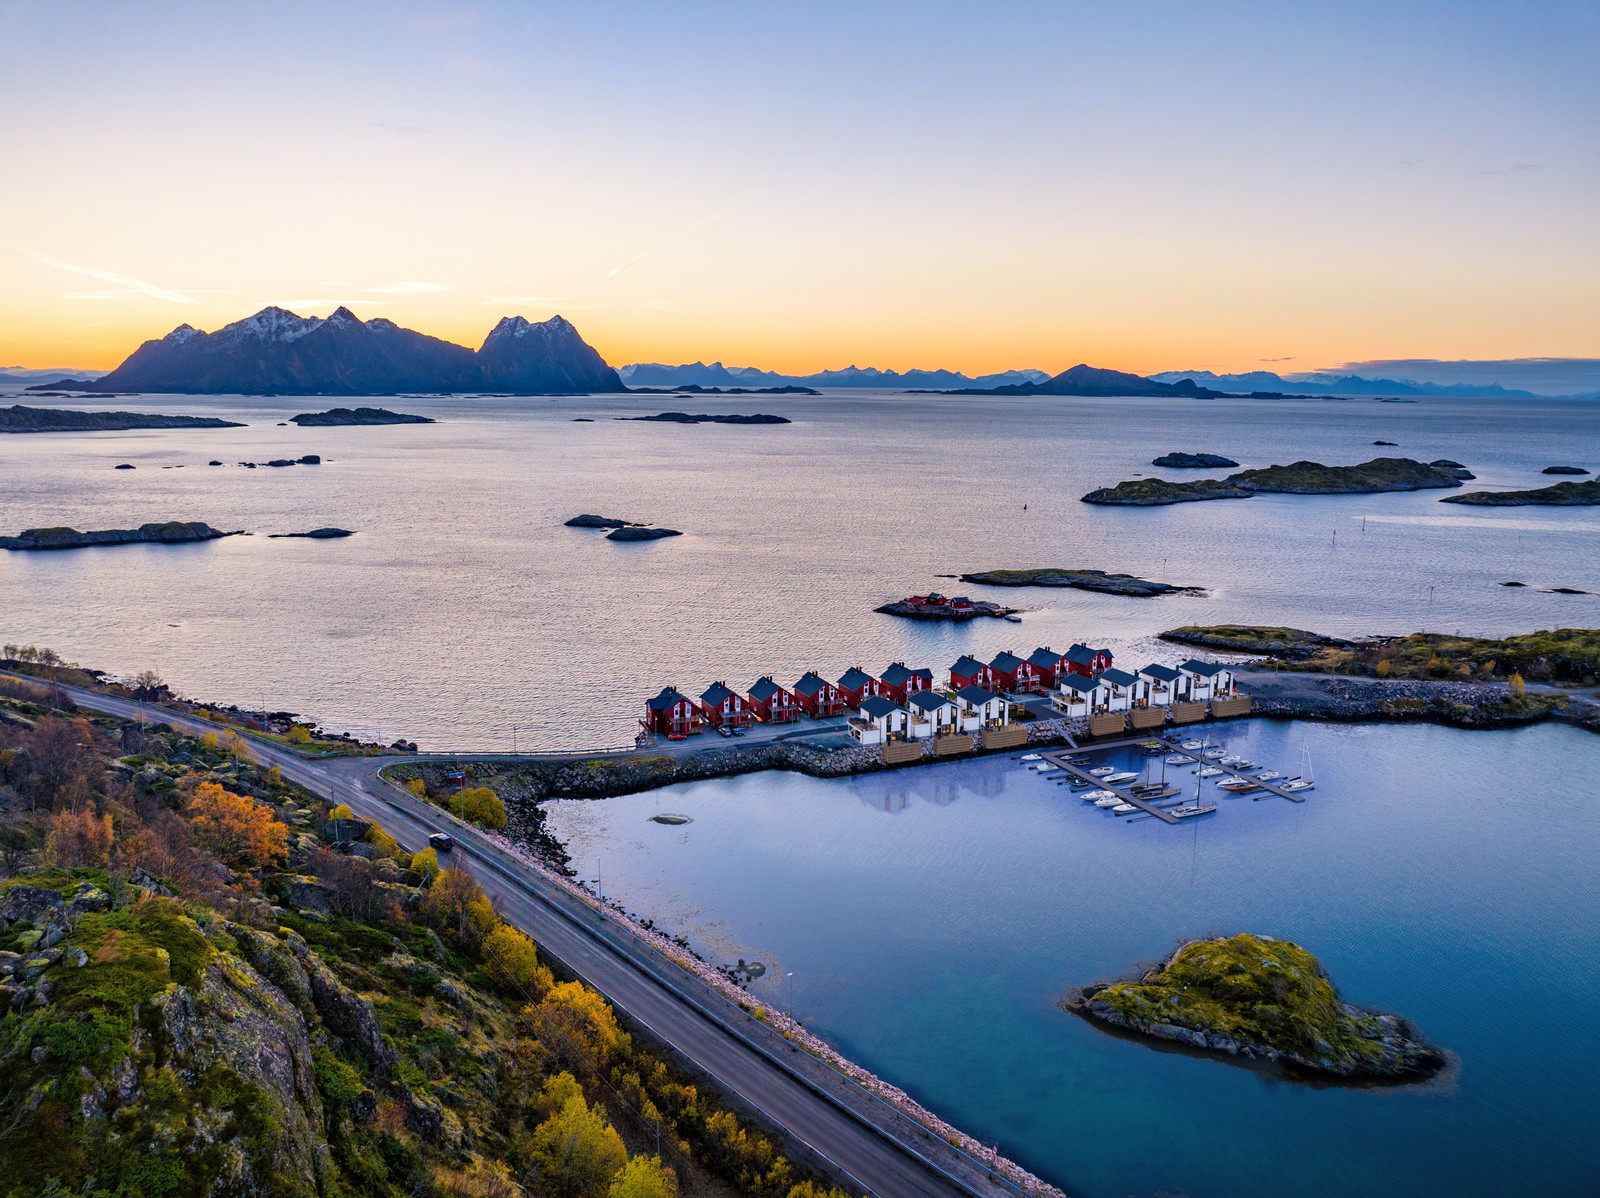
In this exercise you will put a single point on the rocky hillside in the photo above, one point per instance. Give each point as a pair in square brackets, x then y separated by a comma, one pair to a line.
[214, 985]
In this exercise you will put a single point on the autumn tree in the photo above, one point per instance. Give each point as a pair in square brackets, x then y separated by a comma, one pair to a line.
[575, 1028]
[456, 903]
[58, 756]
[79, 838]
[481, 806]
[578, 1152]
[645, 1177]
[236, 828]
[426, 861]
[513, 963]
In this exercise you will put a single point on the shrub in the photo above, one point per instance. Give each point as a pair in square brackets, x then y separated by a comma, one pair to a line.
[578, 1151]
[480, 805]
[1516, 686]
[235, 828]
[513, 963]
[298, 735]
[644, 1177]
[79, 838]
[426, 862]
[1382, 669]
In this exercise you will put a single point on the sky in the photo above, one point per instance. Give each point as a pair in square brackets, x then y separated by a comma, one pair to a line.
[801, 186]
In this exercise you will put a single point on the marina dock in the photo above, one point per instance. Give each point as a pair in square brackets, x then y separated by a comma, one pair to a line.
[1059, 759]
[1239, 774]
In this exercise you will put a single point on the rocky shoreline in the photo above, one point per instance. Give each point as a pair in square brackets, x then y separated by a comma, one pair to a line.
[19, 419]
[943, 611]
[174, 532]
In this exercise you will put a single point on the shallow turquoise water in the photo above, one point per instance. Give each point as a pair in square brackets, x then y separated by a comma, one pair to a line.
[931, 918]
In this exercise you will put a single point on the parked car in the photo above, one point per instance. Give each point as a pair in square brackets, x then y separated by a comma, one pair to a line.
[722, 729]
[441, 842]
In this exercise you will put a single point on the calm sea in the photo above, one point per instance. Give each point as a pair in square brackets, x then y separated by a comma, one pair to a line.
[932, 918]
[463, 613]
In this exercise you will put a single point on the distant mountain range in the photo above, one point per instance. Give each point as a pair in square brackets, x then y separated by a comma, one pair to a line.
[276, 351]
[34, 374]
[1333, 383]
[654, 374]
[1084, 379]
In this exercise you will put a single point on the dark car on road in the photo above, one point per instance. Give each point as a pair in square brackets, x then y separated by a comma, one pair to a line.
[442, 842]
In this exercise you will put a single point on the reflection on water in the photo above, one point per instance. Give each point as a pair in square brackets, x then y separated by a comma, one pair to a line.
[932, 916]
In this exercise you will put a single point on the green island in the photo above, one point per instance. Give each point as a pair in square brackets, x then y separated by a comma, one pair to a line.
[213, 983]
[1582, 494]
[1298, 478]
[1083, 580]
[1563, 655]
[1261, 998]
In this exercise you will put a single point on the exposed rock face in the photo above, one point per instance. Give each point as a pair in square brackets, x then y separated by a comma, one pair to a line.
[1193, 460]
[277, 352]
[633, 532]
[1584, 494]
[1083, 580]
[1255, 996]
[1158, 492]
[173, 532]
[341, 416]
[18, 419]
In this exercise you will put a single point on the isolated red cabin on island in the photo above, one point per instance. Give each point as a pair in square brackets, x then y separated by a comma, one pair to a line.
[772, 703]
[818, 697]
[970, 672]
[720, 706]
[856, 685]
[899, 683]
[672, 714]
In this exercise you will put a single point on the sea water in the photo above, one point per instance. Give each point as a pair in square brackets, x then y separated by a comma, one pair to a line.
[932, 918]
[463, 614]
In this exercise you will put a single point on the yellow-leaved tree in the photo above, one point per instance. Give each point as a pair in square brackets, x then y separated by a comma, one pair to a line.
[575, 1028]
[578, 1151]
[426, 862]
[512, 962]
[481, 806]
[644, 1177]
[236, 828]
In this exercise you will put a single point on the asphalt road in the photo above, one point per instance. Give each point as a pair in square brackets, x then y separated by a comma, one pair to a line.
[838, 1126]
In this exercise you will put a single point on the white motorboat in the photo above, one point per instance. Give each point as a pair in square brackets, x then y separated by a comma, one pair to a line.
[1118, 779]
[1100, 771]
[1179, 760]
[1191, 745]
[1030, 757]
[1214, 753]
[1113, 801]
[1209, 771]
[1297, 784]
[1268, 775]
[1124, 809]
[1044, 767]
[1231, 759]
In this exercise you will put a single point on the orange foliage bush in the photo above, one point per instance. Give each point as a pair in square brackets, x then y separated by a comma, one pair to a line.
[80, 838]
[237, 829]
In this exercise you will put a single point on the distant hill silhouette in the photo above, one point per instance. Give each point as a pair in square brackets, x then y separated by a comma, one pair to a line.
[277, 351]
[1084, 379]
[655, 374]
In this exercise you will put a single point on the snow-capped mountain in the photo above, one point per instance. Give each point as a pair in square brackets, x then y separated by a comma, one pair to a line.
[278, 351]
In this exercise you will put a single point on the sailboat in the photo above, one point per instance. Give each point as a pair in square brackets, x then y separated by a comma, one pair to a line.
[1305, 781]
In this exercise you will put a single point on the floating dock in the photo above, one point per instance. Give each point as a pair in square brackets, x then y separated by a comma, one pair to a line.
[1239, 774]
[1059, 760]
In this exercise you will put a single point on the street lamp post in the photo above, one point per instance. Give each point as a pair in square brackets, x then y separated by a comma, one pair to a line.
[789, 1006]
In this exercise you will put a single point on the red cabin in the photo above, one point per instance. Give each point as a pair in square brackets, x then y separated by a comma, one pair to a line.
[899, 683]
[772, 704]
[970, 672]
[1090, 663]
[672, 714]
[1049, 664]
[857, 685]
[1012, 673]
[720, 706]
[818, 697]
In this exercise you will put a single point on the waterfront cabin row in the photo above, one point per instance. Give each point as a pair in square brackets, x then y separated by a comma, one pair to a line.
[1154, 686]
[928, 713]
[1038, 673]
[671, 713]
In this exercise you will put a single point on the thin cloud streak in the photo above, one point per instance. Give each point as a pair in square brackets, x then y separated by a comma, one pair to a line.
[136, 285]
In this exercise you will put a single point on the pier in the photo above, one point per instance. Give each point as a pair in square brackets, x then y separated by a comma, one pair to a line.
[1058, 759]
[1239, 774]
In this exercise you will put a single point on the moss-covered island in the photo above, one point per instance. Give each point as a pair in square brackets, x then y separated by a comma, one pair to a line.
[1584, 494]
[1297, 478]
[1258, 997]
[1083, 580]
[1158, 492]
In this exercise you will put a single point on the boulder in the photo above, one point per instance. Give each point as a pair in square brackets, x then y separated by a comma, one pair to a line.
[36, 904]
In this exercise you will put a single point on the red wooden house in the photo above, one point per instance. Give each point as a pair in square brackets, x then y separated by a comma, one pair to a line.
[720, 706]
[899, 683]
[772, 704]
[1050, 665]
[856, 685]
[1012, 673]
[970, 672]
[1089, 663]
[818, 697]
[672, 714]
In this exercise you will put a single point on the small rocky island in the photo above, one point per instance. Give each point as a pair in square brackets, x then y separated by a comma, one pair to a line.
[1265, 999]
[1158, 492]
[19, 419]
[1298, 478]
[1194, 461]
[937, 607]
[1584, 494]
[702, 418]
[1083, 580]
[340, 416]
[316, 534]
[173, 532]
[588, 520]
[1563, 470]
[637, 532]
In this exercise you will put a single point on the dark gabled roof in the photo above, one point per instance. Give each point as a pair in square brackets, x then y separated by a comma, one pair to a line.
[855, 678]
[976, 695]
[715, 694]
[810, 683]
[1078, 682]
[928, 700]
[1206, 669]
[1159, 672]
[1080, 655]
[877, 706]
[1006, 663]
[764, 690]
[967, 667]
[1119, 677]
[1045, 659]
[668, 697]
[896, 674]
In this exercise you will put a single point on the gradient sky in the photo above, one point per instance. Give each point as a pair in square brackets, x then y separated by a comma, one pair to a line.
[801, 186]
